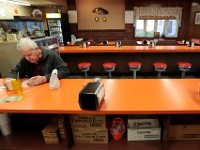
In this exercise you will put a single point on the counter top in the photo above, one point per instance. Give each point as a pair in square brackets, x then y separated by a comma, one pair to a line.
[122, 96]
[129, 49]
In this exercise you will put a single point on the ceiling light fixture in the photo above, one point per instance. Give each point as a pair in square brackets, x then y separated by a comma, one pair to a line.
[16, 2]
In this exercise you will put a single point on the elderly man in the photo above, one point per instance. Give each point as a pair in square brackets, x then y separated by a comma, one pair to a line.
[37, 63]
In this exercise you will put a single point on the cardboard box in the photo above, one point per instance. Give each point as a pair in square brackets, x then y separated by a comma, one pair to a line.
[51, 137]
[146, 134]
[51, 140]
[143, 129]
[51, 133]
[50, 129]
[88, 135]
[143, 123]
[88, 121]
[91, 140]
[184, 132]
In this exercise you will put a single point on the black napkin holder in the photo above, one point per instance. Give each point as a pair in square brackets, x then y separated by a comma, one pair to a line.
[91, 96]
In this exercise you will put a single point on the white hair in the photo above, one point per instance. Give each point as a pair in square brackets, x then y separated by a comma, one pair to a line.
[26, 43]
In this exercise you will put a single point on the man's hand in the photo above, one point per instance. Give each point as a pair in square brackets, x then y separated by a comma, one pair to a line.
[36, 80]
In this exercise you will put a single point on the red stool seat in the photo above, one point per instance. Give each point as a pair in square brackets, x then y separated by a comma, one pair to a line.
[109, 67]
[184, 64]
[160, 65]
[134, 64]
[85, 67]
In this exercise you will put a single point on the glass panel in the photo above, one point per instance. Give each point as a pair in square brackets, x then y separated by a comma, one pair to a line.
[139, 32]
[160, 27]
[146, 28]
[150, 28]
[172, 26]
[24, 28]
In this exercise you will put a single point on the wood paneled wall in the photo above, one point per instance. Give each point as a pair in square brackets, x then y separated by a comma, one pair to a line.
[187, 30]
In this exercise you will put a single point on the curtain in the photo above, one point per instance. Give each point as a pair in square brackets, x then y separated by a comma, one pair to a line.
[158, 13]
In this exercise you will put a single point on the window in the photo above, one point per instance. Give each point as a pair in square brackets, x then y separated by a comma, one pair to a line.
[140, 28]
[147, 27]
[161, 26]
[172, 28]
[150, 28]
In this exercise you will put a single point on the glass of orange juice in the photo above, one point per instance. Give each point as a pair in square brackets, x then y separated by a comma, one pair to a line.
[17, 85]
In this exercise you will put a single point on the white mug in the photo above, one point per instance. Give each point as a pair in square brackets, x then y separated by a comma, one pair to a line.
[8, 83]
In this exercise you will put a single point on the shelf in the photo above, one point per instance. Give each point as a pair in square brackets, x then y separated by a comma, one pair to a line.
[55, 31]
[119, 145]
[27, 18]
[32, 139]
[54, 26]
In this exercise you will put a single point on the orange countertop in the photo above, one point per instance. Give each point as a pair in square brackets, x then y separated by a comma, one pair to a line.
[128, 49]
[123, 96]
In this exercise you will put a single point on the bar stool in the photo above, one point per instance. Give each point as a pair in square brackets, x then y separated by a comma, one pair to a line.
[160, 67]
[184, 67]
[84, 67]
[134, 66]
[109, 67]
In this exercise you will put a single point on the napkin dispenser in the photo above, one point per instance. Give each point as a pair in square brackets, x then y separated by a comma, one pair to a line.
[91, 96]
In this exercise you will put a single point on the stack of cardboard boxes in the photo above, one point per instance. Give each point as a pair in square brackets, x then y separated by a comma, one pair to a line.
[54, 131]
[184, 132]
[184, 127]
[143, 130]
[89, 129]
